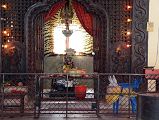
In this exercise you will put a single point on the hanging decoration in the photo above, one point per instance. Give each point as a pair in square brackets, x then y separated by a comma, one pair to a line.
[67, 15]
[85, 18]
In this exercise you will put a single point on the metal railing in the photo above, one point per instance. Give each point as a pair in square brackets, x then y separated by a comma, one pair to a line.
[106, 93]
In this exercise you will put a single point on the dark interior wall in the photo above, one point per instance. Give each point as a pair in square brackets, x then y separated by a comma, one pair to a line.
[135, 58]
[14, 15]
[120, 55]
[112, 54]
[139, 53]
[12, 20]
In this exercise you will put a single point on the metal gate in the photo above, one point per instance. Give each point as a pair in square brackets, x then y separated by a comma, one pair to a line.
[59, 94]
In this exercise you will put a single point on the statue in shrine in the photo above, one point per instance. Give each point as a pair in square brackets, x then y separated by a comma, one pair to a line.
[68, 63]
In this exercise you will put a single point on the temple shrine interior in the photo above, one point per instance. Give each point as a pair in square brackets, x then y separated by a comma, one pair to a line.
[67, 57]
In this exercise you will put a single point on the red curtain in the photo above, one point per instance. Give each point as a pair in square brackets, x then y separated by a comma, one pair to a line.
[84, 17]
[57, 6]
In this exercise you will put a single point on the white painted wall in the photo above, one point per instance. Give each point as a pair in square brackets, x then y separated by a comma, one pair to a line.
[154, 35]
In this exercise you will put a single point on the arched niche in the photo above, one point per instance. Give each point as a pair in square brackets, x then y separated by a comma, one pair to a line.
[34, 41]
[103, 48]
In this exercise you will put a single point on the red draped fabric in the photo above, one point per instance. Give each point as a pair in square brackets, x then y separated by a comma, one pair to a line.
[84, 17]
[57, 6]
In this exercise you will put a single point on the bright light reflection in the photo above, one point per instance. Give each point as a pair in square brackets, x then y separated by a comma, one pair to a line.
[76, 40]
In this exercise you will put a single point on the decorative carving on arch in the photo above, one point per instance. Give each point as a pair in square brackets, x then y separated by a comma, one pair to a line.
[105, 43]
[100, 16]
[140, 35]
[30, 38]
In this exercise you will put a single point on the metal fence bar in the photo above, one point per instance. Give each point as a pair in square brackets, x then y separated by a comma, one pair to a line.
[41, 106]
[2, 102]
[97, 102]
[67, 96]
[129, 94]
[36, 102]
[39, 96]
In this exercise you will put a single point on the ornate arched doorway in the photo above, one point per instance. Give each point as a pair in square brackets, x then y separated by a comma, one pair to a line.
[107, 44]
[34, 35]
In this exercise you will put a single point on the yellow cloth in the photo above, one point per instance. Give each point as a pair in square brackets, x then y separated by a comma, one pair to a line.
[116, 91]
[111, 98]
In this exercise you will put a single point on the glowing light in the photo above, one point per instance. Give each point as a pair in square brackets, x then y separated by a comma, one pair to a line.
[5, 32]
[118, 49]
[128, 45]
[93, 53]
[59, 40]
[3, 19]
[76, 40]
[4, 6]
[128, 33]
[129, 7]
[5, 46]
[129, 20]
